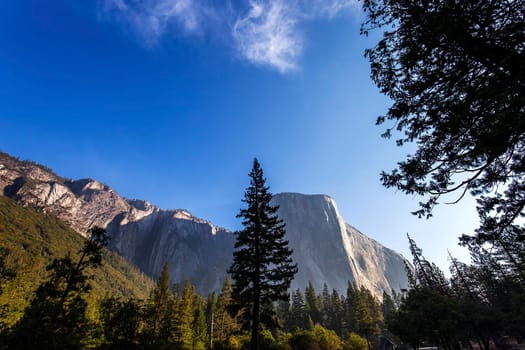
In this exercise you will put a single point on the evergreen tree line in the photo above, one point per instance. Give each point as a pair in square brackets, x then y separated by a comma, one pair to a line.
[358, 313]
[481, 305]
[61, 315]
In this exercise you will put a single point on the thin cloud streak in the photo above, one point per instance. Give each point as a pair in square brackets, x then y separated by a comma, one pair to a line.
[151, 19]
[332, 8]
[263, 32]
[267, 35]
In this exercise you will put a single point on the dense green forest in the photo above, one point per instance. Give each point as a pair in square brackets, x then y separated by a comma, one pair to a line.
[176, 317]
[29, 240]
[481, 304]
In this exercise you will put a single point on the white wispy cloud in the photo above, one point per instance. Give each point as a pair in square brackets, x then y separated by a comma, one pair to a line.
[331, 8]
[267, 35]
[151, 19]
[263, 32]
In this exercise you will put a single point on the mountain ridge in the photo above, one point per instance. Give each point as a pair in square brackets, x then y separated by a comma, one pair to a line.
[194, 248]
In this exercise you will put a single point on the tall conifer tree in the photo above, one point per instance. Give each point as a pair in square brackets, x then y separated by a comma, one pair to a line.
[313, 304]
[262, 267]
[224, 323]
[183, 328]
[298, 311]
[160, 300]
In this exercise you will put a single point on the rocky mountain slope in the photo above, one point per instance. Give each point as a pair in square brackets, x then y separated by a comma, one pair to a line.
[326, 249]
[141, 232]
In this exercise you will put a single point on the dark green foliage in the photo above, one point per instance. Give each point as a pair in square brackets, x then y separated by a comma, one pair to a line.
[31, 240]
[388, 310]
[167, 320]
[313, 305]
[159, 313]
[224, 325]
[348, 317]
[161, 304]
[425, 272]
[282, 311]
[267, 341]
[298, 317]
[426, 318]
[431, 297]
[121, 321]
[327, 339]
[496, 295]
[455, 71]
[355, 342]
[359, 312]
[335, 313]
[6, 272]
[318, 338]
[56, 317]
[199, 327]
[388, 307]
[480, 304]
[171, 319]
[174, 320]
[262, 267]
[367, 316]
[303, 340]
[183, 334]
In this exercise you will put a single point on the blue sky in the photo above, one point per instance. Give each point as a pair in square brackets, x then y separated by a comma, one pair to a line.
[170, 101]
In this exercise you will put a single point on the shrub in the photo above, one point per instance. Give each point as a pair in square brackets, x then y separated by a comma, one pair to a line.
[355, 342]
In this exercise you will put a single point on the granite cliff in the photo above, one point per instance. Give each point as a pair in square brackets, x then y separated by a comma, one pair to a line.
[326, 249]
[331, 251]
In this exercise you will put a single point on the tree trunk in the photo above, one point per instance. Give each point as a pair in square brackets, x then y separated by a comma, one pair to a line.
[255, 324]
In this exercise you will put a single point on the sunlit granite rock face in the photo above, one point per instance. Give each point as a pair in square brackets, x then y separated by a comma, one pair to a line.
[326, 249]
[330, 251]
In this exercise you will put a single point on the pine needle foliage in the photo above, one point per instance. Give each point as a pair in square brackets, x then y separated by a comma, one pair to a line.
[262, 267]
[455, 72]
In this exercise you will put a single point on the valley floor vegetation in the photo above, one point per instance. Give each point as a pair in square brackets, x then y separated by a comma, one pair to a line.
[62, 316]
[478, 307]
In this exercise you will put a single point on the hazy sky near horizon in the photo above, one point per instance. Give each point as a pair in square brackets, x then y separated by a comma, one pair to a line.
[170, 101]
